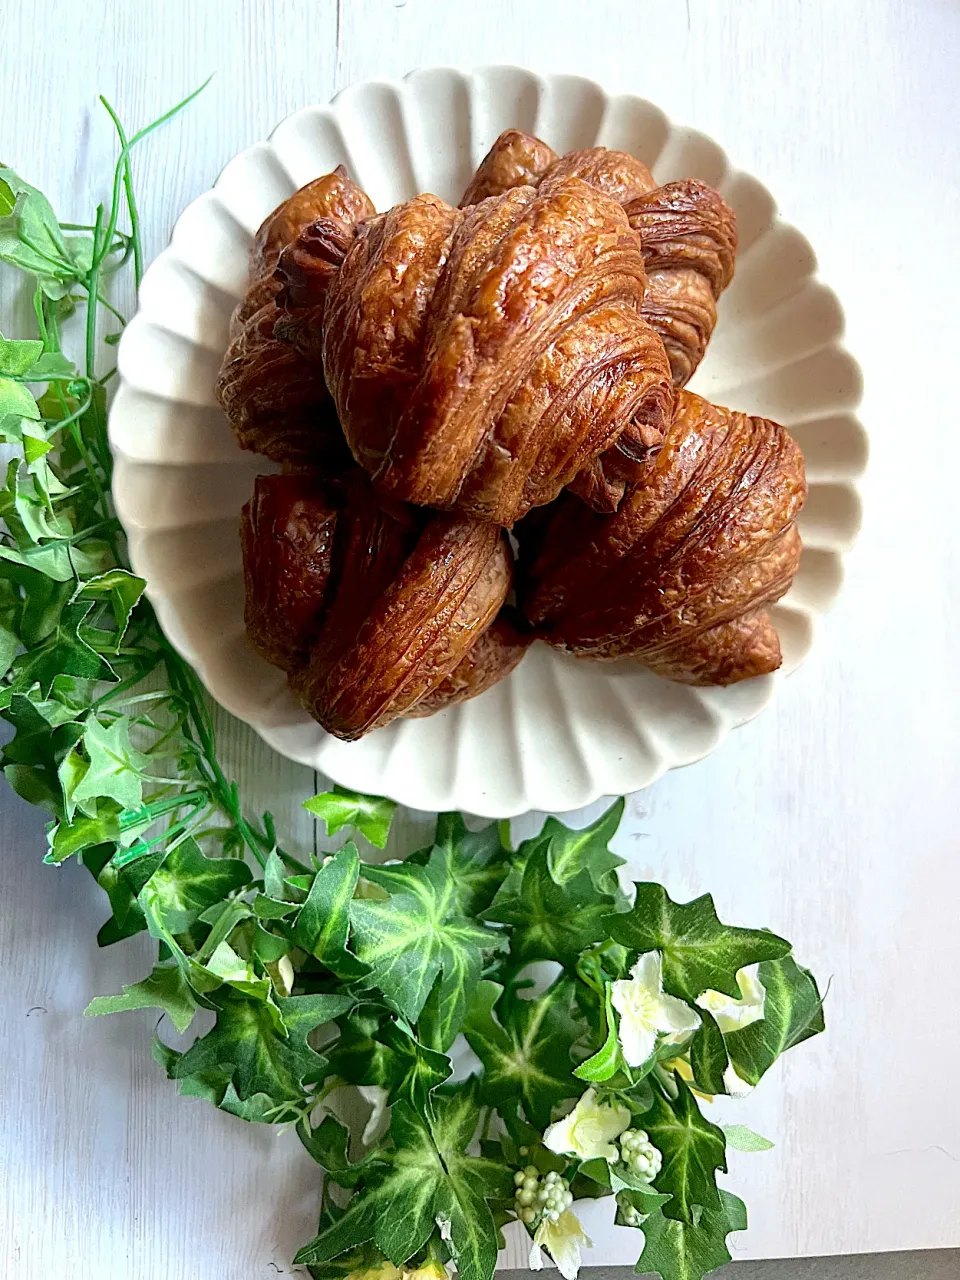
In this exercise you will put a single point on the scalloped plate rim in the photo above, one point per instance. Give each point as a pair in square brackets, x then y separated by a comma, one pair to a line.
[530, 796]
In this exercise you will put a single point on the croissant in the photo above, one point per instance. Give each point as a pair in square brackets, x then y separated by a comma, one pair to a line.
[680, 576]
[372, 607]
[482, 359]
[687, 230]
[276, 401]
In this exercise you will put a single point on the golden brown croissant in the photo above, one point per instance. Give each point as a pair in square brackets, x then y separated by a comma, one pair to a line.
[370, 605]
[687, 230]
[276, 401]
[480, 359]
[494, 656]
[679, 577]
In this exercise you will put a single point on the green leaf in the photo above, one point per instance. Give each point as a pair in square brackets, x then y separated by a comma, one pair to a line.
[708, 1055]
[525, 1055]
[329, 1143]
[550, 921]
[693, 1150]
[699, 952]
[323, 923]
[793, 1011]
[122, 589]
[16, 401]
[30, 235]
[414, 1069]
[17, 356]
[571, 852]
[187, 882]
[9, 647]
[114, 770]
[259, 1047]
[476, 859]
[163, 989]
[99, 827]
[677, 1250]
[66, 652]
[431, 1177]
[359, 1056]
[370, 815]
[606, 1061]
[740, 1138]
[418, 934]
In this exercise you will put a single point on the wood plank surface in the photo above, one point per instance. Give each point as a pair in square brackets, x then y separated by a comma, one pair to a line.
[832, 818]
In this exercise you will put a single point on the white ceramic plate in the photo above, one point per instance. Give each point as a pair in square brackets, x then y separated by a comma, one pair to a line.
[558, 733]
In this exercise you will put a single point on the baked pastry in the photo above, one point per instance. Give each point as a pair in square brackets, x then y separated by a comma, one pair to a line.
[495, 654]
[276, 401]
[687, 230]
[481, 359]
[370, 605]
[679, 578]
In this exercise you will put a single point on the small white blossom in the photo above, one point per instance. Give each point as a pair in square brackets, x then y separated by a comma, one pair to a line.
[563, 1240]
[732, 1014]
[589, 1130]
[646, 1011]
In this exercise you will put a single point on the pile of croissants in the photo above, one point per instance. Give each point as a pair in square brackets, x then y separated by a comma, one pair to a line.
[484, 438]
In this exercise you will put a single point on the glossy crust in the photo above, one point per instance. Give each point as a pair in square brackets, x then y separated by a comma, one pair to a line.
[687, 230]
[370, 605]
[276, 400]
[515, 160]
[480, 359]
[412, 600]
[689, 236]
[497, 652]
[680, 576]
[287, 535]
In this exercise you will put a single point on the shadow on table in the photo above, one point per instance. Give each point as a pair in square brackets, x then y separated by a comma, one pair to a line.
[928, 1264]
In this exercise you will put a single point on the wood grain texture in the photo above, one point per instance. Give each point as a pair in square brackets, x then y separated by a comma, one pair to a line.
[831, 818]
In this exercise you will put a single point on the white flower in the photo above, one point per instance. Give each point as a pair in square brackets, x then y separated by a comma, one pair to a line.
[589, 1130]
[732, 1014]
[563, 1240]
[734, 1083]
[646, 1011]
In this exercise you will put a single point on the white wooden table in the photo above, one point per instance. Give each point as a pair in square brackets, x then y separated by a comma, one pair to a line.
[833, 818]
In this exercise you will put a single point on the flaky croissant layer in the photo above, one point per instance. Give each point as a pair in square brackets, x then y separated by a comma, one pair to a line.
[680, 576]
[482, 359]
[373, 608]
[431, 376]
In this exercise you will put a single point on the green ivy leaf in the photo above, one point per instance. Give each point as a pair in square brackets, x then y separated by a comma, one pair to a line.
[740, 1138]
[793, 1011]
[708, 1055]
[677, 1250]
[122, 589]
[431, 1178]
[699, 952]
[323, 923]
[525, 1055]
[260, 1047]
[605, 1063]
[550, 921]
[370, 815]
[693, 1150]
[328, 1144]
[113, 771]
[17, 356]
[30, 235]
[65, 652]
[418, 934]
[414, 1069]
[163, 989]
[570, 852]
[187, 882]
[476, 859]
